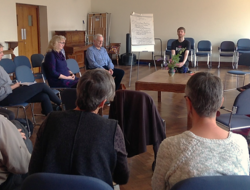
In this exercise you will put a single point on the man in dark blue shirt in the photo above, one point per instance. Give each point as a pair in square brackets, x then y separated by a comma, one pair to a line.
[177, 45]
[98, 57]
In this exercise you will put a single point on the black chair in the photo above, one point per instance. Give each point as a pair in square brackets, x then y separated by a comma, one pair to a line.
[227, 49]
[36, 61]
[237, 118]
[214, 183]
[53, 181]
[139, 120]
[68, 97]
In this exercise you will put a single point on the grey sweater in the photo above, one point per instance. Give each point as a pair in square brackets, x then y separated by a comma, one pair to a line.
[5, 84]
[187, 155]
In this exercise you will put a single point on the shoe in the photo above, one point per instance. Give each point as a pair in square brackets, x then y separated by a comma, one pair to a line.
[189, 71]
[241, 89]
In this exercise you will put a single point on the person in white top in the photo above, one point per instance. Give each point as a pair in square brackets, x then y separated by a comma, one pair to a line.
[206, 149]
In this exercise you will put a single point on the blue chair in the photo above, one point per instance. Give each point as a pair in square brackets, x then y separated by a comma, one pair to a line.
[244, 59]
[22, 60]
[36, 61]
[192, 50]
[214, 183]
[243, 45]
[204, 49]
[73, 66]
[53, 181]
[168, 49]
[227, 49]
[237, 118]
[8, 65]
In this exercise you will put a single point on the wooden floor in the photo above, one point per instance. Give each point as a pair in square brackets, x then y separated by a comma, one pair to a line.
[172, 109]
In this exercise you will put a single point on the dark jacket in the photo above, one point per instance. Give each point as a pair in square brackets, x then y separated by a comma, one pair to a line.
[139, 121]
[78, 143]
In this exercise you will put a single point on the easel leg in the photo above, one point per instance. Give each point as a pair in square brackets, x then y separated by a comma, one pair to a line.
[138, 65]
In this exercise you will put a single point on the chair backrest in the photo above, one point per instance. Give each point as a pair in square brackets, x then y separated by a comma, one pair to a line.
[68, 97]
[243, 44]
[36, 60]
[24, 74]
[43, 72]
[204, 45]
[169, 43]
[214, 182]
[86, 63]
[244, 59]
[22, 60]
[192, 42]
[73, 66]
[117, 46]
[52, 181]
[227, 46]
[242, 102]
[8, 65]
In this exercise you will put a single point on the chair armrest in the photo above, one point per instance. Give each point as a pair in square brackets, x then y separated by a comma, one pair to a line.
[223, 108]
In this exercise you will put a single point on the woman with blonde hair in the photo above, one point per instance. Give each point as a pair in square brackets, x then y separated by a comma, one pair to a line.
[55, 65]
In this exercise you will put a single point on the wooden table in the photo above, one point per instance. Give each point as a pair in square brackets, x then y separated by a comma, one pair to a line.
[160, 81]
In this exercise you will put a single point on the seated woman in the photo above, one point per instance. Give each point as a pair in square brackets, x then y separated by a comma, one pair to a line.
[81, 142]
[55, 65]
[12, 94]
[206, 149]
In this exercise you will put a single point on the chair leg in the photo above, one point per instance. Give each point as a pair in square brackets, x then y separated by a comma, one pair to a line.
[27, 121]
[208, 62]
[219, 63]
[117, 59]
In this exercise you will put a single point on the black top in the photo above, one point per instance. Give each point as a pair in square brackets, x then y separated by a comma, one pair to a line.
[177, 46]
[80, 143]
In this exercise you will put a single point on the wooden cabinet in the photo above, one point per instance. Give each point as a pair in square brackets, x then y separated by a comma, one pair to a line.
[75, 47]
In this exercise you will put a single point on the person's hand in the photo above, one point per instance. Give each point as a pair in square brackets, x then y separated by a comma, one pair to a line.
[111, 71]
[73, 76]
[22, 134]
[70, 78]
[180, 64]
[16, 85]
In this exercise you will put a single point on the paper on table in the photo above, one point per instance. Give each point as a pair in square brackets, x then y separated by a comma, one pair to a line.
[27, 83]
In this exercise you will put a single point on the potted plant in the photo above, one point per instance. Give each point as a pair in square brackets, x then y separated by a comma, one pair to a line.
[173, 61]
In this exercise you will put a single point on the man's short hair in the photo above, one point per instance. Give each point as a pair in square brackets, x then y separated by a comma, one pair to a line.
[93, 87]
[1, 45]
[98, 35]
[205, 91]
[181, 28]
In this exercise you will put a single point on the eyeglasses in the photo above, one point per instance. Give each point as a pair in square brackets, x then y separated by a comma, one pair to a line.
[63, 43]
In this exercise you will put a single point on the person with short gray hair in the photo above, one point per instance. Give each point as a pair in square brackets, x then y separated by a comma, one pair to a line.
[97, 57]
[206, 149]
[89, 144]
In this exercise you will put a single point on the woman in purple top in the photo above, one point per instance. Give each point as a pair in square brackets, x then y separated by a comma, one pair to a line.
[55, 65]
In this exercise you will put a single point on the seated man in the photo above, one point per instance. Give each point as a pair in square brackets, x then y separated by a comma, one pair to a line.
[98, 57]
[177, 45]
[14, 155]
[206, 149]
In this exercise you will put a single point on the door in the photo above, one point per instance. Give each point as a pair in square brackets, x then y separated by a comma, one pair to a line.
[27, 29]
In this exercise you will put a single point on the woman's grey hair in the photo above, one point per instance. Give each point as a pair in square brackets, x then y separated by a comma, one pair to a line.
[53, 41]
[98, 35]
[205, 91]
[93, 87]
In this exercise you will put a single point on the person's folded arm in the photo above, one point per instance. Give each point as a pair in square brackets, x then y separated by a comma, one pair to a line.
[15, 155]
[121, 172]
[90, 56]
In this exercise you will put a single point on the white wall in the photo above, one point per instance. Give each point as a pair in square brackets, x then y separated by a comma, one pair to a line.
[62, 15]
[204, 20]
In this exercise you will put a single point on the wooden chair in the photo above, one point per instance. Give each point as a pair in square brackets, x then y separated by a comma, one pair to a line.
[114, 48]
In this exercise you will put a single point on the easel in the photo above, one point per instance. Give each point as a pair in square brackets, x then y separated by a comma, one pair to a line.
[142, 36]
[139, 49]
